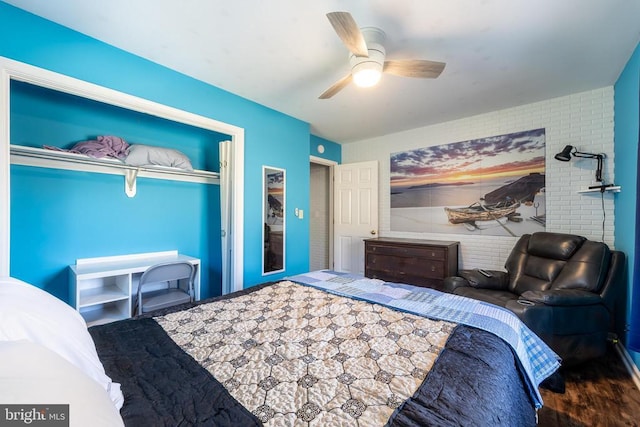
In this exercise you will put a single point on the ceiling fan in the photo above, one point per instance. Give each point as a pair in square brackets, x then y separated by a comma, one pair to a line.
[367, 58]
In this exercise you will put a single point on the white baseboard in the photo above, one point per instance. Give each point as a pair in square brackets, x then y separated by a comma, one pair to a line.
[628, 363]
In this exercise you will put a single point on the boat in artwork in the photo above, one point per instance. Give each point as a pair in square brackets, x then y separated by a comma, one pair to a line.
[500, 203]
[480, 211]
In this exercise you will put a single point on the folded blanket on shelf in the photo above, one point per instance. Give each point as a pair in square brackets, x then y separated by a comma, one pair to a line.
[103, 146]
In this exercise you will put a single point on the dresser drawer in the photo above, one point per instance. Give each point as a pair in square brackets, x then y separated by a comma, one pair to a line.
[406, 265]
[409, 251]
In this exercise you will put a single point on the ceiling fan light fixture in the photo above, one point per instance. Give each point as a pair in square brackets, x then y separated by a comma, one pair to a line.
[367, 74]
[367, 57]
[366, 71]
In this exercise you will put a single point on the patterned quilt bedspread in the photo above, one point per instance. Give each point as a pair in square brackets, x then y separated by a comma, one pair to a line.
[537, 359]
[286, 353]
[291, 352]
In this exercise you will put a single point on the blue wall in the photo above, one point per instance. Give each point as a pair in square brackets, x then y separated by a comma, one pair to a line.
[627, 113]
[271, 138]
[59, 216]
[42, 116]
[332, 151]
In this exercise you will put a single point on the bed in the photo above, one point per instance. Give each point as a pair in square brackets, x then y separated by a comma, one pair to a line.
[326, 348]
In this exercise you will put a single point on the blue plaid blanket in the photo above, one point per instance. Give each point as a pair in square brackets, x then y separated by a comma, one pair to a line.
[537, 359]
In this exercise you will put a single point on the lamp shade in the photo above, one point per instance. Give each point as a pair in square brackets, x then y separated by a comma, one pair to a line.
[565, 154]
[367, 73]
[367, 70]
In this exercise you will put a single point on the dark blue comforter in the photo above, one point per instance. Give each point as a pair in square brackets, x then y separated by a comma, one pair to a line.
[474, 382]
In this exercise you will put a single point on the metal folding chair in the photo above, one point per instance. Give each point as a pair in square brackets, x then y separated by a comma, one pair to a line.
[182, 273]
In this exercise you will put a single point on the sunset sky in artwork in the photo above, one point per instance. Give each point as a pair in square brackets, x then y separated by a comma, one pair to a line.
[275, 182]
[515, 154]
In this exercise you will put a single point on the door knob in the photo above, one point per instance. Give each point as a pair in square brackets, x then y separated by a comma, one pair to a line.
[373, 232]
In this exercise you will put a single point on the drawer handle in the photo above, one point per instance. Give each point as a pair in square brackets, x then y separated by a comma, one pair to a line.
[433, 268]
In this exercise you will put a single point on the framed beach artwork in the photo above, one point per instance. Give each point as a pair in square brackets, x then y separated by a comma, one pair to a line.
[489, 186]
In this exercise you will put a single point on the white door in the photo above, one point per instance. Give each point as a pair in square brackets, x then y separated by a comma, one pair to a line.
[355, 213]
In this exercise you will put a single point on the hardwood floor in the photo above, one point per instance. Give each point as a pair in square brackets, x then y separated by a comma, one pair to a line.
[598, 393]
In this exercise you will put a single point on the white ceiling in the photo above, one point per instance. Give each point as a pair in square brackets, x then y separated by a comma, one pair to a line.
[284, 53]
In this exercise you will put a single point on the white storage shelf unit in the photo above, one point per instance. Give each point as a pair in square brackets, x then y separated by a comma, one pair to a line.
[103, 289]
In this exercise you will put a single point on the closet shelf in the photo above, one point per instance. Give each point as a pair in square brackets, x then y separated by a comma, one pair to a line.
[39, 157]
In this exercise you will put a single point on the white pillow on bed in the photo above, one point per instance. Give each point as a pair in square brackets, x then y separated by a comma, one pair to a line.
[149, 155]
[31, 374]
[29, 313]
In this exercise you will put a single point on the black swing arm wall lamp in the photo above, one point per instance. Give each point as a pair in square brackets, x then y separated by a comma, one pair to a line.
[569, 150]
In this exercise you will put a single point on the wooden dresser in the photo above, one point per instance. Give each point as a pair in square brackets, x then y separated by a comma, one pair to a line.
[417, 262]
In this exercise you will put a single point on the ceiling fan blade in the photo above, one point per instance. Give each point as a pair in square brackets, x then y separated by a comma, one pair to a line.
[337, 87]
[349, 33]
[414, 68]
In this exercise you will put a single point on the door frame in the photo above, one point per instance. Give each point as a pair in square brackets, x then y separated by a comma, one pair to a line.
[330, 163]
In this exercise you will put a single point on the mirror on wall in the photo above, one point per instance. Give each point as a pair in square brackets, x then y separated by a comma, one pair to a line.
[273, 218]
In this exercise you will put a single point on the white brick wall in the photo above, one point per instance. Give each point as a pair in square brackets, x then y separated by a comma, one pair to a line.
[584, 120]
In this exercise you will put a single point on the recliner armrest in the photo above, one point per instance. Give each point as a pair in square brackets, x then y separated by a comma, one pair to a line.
[451, 283]
[499, 280]
[563, 297]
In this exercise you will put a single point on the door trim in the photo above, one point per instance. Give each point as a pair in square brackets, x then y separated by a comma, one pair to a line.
[321, 161]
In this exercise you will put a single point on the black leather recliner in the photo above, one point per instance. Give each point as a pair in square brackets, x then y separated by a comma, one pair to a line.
[564, 287]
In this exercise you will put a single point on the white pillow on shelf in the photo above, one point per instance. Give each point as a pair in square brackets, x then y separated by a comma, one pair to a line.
[149, 155]
[31, 374]
[29, 313]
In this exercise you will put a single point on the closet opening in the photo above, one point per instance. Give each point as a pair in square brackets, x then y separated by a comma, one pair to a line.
[55, 211]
